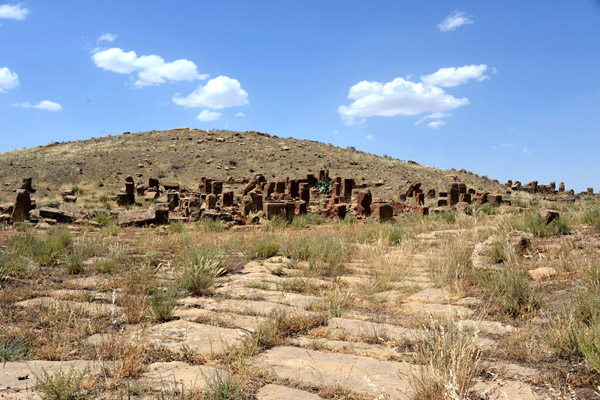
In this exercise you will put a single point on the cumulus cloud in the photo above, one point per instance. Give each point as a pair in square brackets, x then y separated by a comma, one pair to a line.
[8, 79]
[502, 145]
[14, 11]
[107, 37]
[207, 115]
[46, 105]
[240, 115]
[455, 20]
[436, 124]
[451, 76]
[220, 92]
[151, 69]
[398, 97]
[370, 137]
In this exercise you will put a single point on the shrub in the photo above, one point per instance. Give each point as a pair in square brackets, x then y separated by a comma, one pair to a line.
[60, 385]
[45, 251]
[103, 219]
[265, 249]
[11, 263]
[303, 221]
[450, 363]
[197, 275]
[163, 302]
[210, 225]
[226, 387]
[532, 223]
[75, 263]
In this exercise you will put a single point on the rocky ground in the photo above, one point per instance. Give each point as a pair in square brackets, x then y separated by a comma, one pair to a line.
[449, 306]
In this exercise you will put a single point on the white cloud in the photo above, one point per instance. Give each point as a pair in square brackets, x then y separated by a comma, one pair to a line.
[454, 20]
[436, 124]
[8, 79]
[528, 151]
[335, 132]
[220, 92]
[46, 105]
[436, 115]
[240, 115]
[399, 97]
[503, 145]
[16, 11]
[207, 115]
[450, 77]
[369, 137]
[151, 69]
[107, 37]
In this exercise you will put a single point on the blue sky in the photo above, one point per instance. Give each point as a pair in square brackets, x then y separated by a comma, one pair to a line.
[508, 89]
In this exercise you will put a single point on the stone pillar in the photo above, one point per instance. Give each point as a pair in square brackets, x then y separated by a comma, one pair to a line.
[305, 193]
[280, 187]
[336, 190]
[590, 191]
[22, 206]
[465, 198]
[228, 199]
[347, 187]
[419, 198]
[27, 184]
[561, 187]
[211, 201]
[363, 208]
[293, 186]
[173, 200]
[208, 186]
[217, 187]
[311, 180]
[453, 192]
[130, 189]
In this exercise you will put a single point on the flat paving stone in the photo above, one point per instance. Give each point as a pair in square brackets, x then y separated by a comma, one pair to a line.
[200, 338]
[293, 299]
[177, 374]
[249, 323]
[359, 348]
[430, 295]
[359, 374]
[381, 331]
[278, 392]
[17, 378]
[488, 327]
[437, 310]
[254, 307]
[92, 308]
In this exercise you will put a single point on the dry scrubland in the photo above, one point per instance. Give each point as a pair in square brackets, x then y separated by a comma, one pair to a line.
[414, 309]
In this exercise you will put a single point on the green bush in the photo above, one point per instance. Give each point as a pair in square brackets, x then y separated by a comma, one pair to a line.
[61, 385]
[163, 302]
[176, 227]
[13, 349]
[532, 223]
[45, 251]
[103, 219]
[197, 275]
[511, 288]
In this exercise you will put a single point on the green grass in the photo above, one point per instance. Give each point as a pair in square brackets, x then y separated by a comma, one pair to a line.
[176, 227]
[163, 303]
[532, 223]
[225, 387]
[197, 275]
[11, 263]
[510, 287]
[210, 225]
[13, 349]
[304, 221]
[61, 385]
[390, 232]
[265, 249]
[45, 251]
[74, 263]
[592, 217]
[103, 219]
[487, 209]
[325, 255]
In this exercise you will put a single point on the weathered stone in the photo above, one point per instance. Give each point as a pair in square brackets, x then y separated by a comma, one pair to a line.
[274, 208]
[347, 187]
[311, 180]
[173, 200]
[22, 206]
[130, 190]
[137, 217]
[122, 199]
[430, 194]
[301, 207]
[199, 338]
[464, 198]
[419, 198]
[217, 187]
[590, 191]
[463, 208]
[541, 273]
[211, 201]
[339, 211]
[208, 186]
[462, 188]
[304, 189]
[175, 375]
[171, 186]
[561, 187]
[56, 214]
[363, 207]
[442, 202]
[227, 199]
[293, 188]
[453, 192]
[356, 373]
[482, 198]
[280, 187]
[161, 212]
[26, 184]
[153, 183]
[422, 211]
[250, 186]
[290, 210]
[278, 392]
[323, 175]
[151, 195]
[384, 212]
[548, 215]
[519, 241]
[414, 187]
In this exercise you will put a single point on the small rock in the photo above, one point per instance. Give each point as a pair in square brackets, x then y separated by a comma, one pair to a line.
[541, 273]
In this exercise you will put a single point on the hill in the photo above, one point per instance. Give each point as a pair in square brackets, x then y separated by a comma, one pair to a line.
[99, 166]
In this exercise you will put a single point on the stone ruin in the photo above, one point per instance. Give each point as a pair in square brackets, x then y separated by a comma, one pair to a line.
[261, 199]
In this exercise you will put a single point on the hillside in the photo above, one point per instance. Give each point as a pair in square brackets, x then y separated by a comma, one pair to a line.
[100, 165]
